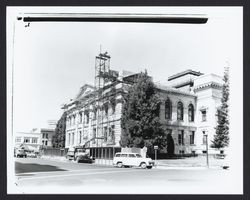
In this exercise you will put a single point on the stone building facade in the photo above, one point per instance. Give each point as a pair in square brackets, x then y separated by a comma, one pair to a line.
[208, 91]
[188, 106]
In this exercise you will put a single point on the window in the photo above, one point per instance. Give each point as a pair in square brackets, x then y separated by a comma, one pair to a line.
[18, 139]
[43, 135]
[123, 155]
[80, 117]
[191, 113]
[69, 142]
[192, 137]
[118, 155]
[34, 140]
[105, 134]
[47, 135]
[80, 137]
[181, 137]
[46, 143]
[94, 135]
[113, 105]
[181, 151]
[180, 111]
[204, 115]
[168, 109]
[106, 109]
[87, 117]
[138, 156]
[204, 139]
[131, 155]
[112, 133]
[74, 119]
[73, 138]
[26, 140]
[95, 112]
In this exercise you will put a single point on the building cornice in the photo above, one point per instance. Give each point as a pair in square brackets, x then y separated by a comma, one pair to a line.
[176, 91]
[189, 71]
[208, 85]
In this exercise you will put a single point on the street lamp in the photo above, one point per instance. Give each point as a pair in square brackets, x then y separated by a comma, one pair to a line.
[207, 149]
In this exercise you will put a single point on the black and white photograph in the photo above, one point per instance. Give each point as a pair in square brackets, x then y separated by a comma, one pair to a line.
[124, 100]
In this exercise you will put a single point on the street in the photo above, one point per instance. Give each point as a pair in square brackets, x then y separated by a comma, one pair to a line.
[34, 175]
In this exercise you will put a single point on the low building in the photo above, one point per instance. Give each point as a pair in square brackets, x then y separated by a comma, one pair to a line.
[34, 140]
[28, 140]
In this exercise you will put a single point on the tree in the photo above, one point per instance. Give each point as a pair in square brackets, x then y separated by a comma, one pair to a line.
[58, 140]
[140, 120]
[221, 137]
[170, 145]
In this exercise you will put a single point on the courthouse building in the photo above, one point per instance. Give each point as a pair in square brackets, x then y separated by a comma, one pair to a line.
[188, 106]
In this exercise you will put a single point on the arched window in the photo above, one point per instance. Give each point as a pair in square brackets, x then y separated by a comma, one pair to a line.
[180, 111]
[168, 109]
[191, 113]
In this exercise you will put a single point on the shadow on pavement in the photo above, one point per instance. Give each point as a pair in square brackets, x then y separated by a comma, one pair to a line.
[23, 168]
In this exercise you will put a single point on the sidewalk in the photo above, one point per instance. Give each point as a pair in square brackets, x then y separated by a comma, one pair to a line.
[199, 162]
[193, 162]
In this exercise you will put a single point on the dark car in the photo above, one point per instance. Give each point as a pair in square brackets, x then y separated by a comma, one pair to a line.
[85, 159]
[70, 155]
[21, 153]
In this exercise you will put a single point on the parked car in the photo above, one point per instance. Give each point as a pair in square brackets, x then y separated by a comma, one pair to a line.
[74, 153]
[85, 159]
[31, 155]
[21, 153]
[70, 155]
[132, 160]
[79, 152]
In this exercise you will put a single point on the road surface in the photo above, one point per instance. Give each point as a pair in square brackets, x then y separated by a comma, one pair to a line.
[34, 175]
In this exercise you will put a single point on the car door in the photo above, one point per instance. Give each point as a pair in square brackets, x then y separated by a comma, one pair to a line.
[132, 160]
[124, 159]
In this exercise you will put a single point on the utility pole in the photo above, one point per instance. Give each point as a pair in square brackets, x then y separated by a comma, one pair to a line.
[207, 150]
[155, 148]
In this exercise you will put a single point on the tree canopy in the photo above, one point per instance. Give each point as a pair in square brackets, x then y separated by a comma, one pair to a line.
[140, 120]
[58, 140]
[221, 137]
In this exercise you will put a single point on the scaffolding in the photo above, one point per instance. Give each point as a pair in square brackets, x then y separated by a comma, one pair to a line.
[104, 77]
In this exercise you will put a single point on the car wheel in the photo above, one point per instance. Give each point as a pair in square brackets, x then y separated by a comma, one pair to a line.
[143, 165]
[119, 164]
[149, 167]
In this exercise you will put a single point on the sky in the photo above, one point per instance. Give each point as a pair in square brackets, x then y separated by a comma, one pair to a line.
[53, 60]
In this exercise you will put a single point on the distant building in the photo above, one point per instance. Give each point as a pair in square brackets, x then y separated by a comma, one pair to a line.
[28, 140]
[46, 137]
[189, 103]
[35, 139]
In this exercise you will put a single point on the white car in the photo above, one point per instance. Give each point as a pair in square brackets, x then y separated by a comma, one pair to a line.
[132, 160]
